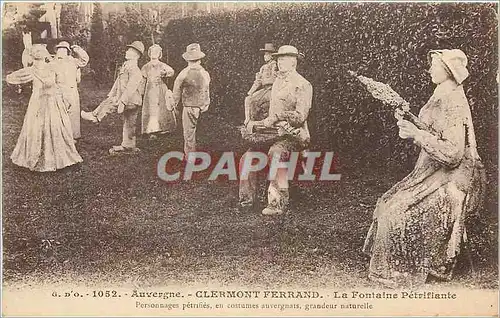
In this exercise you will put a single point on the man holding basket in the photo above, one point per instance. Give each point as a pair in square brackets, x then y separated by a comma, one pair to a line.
[291, 99]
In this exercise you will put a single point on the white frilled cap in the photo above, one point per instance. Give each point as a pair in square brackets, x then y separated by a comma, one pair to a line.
[455, 60]
[155, 47]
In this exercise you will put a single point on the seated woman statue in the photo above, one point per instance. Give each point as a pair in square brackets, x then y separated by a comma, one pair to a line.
[418, 225]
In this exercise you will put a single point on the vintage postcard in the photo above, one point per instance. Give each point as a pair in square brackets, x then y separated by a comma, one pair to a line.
[250, 158]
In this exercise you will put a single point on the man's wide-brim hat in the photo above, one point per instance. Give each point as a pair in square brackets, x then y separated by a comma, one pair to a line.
[288, 50]
[455, 60]
[193, 52]
[63, 44]
[268, 47]
[137, 45]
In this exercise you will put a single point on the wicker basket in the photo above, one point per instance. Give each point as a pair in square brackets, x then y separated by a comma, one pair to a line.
[260, 136]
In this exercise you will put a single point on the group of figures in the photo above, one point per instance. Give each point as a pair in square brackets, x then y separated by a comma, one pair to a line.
[49, 133]
[135, 88]
[418, 225]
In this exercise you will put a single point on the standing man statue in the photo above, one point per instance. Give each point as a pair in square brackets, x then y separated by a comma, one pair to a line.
[125, 97]
[193, 86]
[291, 99]
[67, 69]
[257, 101]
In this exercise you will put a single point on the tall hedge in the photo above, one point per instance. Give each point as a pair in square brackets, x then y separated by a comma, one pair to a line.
[386, 41]
[124, 27]
[134, 21]
[97, 45]
[69, 20]
[12, 36]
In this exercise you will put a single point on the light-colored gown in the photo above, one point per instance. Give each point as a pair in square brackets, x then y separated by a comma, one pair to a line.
[46, 139]
[419, 224]
[157, 107]
[67, 79]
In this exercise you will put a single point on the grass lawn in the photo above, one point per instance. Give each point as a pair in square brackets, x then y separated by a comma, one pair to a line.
[113, 219]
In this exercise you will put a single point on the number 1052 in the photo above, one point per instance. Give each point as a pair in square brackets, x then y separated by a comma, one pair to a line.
[105, 293]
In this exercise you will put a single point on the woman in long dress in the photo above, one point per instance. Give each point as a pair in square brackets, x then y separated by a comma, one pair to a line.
[157, 109]
[418, 225]
[46, 141]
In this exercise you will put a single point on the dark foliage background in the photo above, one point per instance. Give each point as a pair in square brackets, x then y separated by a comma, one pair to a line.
[71, 29]
[98, 45]
[12, 44]
[387, 42]
[12, 39]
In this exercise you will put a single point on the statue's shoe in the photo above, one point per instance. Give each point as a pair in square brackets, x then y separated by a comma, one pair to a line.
[272, 211]
[120, 150]
[89, 116]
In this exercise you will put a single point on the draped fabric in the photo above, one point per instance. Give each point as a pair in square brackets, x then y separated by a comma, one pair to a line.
[157, 107]
[46, 139]
[418, 225]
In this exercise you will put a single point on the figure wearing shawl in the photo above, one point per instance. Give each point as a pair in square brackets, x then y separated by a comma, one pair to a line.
[158, 104]
[46, 139]
[68, 68]
[419, 224]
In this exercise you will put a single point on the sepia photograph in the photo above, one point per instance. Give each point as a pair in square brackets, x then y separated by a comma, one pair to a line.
[280, 158]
